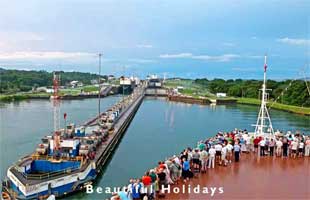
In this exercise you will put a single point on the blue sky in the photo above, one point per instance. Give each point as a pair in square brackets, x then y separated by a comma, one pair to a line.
[225, 39]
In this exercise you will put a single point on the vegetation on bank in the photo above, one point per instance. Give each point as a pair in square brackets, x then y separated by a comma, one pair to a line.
[295, 96]
[13, 81]
[275, 105]
[285, 92]
[22, 96]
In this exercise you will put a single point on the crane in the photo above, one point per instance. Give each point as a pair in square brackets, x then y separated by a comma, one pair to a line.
[56, 108]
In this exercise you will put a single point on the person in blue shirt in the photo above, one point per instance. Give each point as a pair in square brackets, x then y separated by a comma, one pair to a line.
[123, 195]
[237, 150]
[136, 187]
[185, 170]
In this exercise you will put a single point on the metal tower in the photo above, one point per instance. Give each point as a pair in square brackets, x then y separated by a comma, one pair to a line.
[99, 87]
[56, 106]
[263, 125]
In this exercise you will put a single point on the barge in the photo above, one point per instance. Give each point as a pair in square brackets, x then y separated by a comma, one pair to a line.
[80, 154]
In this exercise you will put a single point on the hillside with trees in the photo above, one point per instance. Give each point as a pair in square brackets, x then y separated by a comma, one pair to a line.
[294, 92]
[12, 81]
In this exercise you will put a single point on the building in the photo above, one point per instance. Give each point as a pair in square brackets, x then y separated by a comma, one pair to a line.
[154, 82]
[75, 84]
[221, 95]
[45, 89]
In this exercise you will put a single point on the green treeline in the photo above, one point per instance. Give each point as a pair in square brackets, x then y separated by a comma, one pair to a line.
[296, 93]
[12, 81]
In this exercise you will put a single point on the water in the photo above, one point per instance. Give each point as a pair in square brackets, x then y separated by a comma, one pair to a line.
[159, 129]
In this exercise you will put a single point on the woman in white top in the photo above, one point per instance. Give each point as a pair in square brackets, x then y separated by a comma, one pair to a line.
[279, 145]
[301, 148]
[294, 145]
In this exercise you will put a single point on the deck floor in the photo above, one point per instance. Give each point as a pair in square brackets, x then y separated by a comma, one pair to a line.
[255, 177]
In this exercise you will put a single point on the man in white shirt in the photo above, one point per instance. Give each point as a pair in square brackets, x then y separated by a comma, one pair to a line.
[212, 153]
[223, 156]
[301, 148]
[279, 145]
[218, 149]
[294, 148]
[262, 144]
[307, 148]
[229, 149]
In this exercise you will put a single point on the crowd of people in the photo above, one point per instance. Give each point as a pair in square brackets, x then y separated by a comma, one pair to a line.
[222, 149]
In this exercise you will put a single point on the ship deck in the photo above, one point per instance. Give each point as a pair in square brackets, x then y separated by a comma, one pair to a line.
[255, 177]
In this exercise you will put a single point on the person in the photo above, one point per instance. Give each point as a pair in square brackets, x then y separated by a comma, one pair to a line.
[204, 160]
[135, 189]
[223, 156]
[196, 161]
[229, 148]
[294, 145]
[256, 141]
[266, 146]
[307, 148]
[201, 146]
[186, 170]
[154, 179]
[218, 150]
[285, 146]
[262, 144]
[248, 144]
[301, 148]
[123, 195]
[243, 145]
[272, 143]
[237, 151]
[129, 194]
[212, 153]
[174, 171]
[161, 179]
[147, 183]
[279, 145]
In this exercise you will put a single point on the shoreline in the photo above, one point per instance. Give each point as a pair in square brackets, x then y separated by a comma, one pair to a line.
[304, 111]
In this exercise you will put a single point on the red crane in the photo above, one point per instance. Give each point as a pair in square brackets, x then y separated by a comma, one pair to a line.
[56, 106]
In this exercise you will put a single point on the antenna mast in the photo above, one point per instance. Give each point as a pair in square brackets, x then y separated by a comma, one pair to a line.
[56, 106]
[263, 125]
[99, 87]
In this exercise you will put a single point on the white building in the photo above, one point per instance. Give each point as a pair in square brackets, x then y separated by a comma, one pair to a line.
[220, 94]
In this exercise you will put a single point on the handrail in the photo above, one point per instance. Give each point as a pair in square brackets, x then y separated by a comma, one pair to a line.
[50, 174]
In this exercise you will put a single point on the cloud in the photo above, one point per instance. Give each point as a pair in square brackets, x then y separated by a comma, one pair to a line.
[146, 46]
[254, 38]
[244, 69]
[180, 55]
[35, 55]
[137, 60]
[220, 58]
[255, 56]
[294, 41]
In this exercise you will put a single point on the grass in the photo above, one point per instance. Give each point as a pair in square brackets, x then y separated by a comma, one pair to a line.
[21, 96]
[278, 106]
[189, 87]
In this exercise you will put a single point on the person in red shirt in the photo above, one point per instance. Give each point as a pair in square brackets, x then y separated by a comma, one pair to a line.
[256, 141]
[147, 182]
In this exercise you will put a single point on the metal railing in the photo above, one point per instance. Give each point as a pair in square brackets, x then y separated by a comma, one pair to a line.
[48, 175]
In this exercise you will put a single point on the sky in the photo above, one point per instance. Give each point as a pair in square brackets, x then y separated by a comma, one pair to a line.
[176, 38]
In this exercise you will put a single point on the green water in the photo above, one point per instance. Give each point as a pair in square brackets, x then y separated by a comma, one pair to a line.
[159, 129]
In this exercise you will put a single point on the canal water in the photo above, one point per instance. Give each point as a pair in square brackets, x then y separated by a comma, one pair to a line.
[159, 130]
